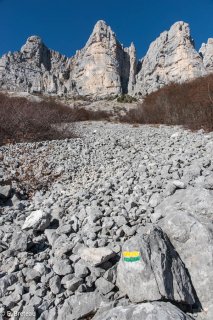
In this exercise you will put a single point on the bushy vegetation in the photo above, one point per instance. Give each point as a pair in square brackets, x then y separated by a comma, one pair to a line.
[189, 104]
[22, 120]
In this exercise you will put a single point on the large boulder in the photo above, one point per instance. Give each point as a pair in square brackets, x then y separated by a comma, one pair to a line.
[150, 269]
[197, 201]
[193, 240]
[144, 311]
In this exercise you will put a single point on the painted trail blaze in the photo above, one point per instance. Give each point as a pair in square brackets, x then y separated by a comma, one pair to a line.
[131, 256]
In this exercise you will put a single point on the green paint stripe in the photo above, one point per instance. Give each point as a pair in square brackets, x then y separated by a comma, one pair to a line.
[132, 259]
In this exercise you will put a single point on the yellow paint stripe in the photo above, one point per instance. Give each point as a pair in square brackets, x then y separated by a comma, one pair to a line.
[129, 254]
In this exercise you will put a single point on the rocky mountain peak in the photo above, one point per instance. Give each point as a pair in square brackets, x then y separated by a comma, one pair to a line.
[171, 58]
[101, 26]
[102, 33]
[101, 67]
[32, 43]
[104, 67]
[35, 50]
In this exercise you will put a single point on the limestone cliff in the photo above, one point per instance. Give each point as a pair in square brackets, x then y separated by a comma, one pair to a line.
[171, 58]
[104, 67]
[35, 69]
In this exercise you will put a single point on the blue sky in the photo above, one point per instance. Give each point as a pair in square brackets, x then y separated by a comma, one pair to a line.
[65, 25]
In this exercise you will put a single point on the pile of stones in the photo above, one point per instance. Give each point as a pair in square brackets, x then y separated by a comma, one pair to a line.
[117, 226]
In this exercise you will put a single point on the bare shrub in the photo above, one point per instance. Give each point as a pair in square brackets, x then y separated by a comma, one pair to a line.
[189, 104]
[22, 120]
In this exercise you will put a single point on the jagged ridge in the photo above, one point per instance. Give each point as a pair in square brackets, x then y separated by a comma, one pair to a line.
[104, 67]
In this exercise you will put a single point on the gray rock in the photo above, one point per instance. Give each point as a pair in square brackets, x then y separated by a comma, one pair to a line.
[50, 314]
[111, 275]
[120, 221]
[155, 200]
[144, 311]
[66, 229]
[40, 268]
[19, 241]
[51, 235]
[62, 245]
[55, 284]
[81, 270]
[155, 271]
[179, 184]
[129, 231]
[96, 256]
[28, 313]
[193, 241]
[73, 284]
[79, 306]
[11, 300]
[208, 182]
[197, 201]
[32, 274]
[37, 220]
[62, 267]
[5, 191]
[5, 282]
[104, 286]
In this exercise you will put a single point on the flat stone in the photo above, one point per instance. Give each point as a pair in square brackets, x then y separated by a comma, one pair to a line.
[96, 256]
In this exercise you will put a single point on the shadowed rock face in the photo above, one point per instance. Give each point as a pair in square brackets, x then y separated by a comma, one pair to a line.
[35, 51]
[206, 52]
[103, 67]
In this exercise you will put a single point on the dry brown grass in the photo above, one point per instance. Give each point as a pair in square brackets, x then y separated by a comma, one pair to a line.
[189, 104]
